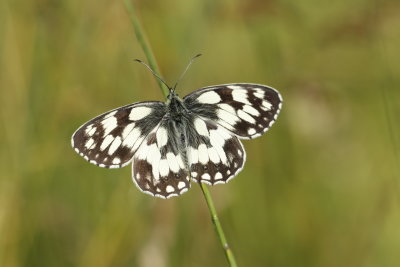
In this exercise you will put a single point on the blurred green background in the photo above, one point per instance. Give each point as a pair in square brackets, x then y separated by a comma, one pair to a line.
[321, 188]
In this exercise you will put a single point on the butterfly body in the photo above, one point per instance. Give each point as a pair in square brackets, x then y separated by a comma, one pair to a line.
[170, 143]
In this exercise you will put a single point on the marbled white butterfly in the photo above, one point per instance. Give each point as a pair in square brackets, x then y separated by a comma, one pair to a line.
[170, 143]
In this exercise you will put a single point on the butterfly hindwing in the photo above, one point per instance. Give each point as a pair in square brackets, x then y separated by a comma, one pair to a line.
[246, 110]
[214, 155]
[159, 165]
[111, 139]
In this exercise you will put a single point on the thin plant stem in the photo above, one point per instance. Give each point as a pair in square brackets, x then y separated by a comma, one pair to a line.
[218, 227]
[153, 64]
[144, 44]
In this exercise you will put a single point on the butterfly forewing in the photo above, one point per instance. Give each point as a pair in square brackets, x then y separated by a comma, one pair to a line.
[246, 110]
[111, 139]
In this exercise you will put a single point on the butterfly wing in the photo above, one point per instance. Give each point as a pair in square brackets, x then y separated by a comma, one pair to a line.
[246, 110]
[214, 155]
[159, 165]
[111, 139]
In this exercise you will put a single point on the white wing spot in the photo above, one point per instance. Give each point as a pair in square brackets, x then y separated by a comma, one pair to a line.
[193, 155]
[216, 139]
[210, 97]
[142, 152]
[172, 162]
[139, 113]
[240, 96]
[259, 93]
[164, 170]
[271, 123]
[114, 146]
[180, 161]
[181, 185]
[110, 114]
[92, 131]
[266, 105]
[218, 176]
[116, 161]
[240, 153]
[243, 115]
[206, 176]
[213, 154]
[227, 107]
[106, 142]
[226, 125]
[251, 131]
[170, 189]
[162, 137]
[228, 172]
[194, 174]
[131, 138]
[203, 154]
[89, 143]
[153, 158]
[128, 129]
[251, 110]
[88, 128]
[200, 127]
[227, 117]
[184, 190]
[109, 124]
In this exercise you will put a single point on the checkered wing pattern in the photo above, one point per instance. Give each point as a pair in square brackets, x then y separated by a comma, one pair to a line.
[159, 166]
[169, 143]
[111, 139]
[214, 154]
[246, 110]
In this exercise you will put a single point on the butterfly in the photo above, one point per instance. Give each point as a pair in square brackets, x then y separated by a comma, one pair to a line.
[193, 138]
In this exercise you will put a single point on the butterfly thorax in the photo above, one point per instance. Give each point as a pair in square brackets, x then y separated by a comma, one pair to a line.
[176, 109]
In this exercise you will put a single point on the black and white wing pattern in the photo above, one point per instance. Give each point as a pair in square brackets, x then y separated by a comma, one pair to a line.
[111, 139]
[214, 154]
[159, 165]
[246, 110]
[170, 143]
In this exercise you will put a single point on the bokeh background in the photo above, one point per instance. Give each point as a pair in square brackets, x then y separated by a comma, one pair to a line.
[321, 188]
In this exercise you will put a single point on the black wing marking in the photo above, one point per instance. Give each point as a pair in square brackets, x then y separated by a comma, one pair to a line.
[111, 139]
[159, 165]
[246, 110]
[214, 154]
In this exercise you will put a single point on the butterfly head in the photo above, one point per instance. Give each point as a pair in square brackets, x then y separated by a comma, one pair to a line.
[171, 89]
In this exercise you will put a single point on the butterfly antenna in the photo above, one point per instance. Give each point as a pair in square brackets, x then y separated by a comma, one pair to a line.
[187, 67]
[155, 74]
